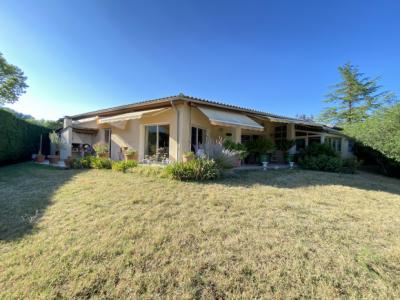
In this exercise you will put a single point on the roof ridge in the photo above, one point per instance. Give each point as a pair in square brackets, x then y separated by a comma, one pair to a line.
[190, 98]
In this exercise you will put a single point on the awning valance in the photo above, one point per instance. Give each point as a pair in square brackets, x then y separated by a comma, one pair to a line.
[299, 122]
[230, 119]
[120, 120]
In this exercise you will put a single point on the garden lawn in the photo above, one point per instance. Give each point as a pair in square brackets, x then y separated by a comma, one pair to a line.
[280, 234]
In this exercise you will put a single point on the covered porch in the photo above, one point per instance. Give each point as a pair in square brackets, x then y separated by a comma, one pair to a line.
[214, 124]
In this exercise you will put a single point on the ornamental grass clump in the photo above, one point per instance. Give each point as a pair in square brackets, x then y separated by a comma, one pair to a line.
[123, 166]
[194, 170]
[101, 149]
[223, 158]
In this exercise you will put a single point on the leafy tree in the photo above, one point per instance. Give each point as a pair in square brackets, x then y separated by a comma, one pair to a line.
[381, 131]
[355, 98]
[12, 82]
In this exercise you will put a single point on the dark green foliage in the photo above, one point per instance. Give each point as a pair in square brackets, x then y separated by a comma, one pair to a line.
[81, 163]
[322, 157]
[54, 125]
[378, 140]
[381, 132]
[375, 161]
[322, 162]
[285, 145]
[123, 166]
[350, 165]
[355, 98]
[318, 149]
[91, 162]
[44, 123]
[19, 139]
[260, 146]
[101, 163]
[12, 82]
[197, 170]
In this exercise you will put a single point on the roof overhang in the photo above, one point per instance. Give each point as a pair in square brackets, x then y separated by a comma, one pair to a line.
[230, 119]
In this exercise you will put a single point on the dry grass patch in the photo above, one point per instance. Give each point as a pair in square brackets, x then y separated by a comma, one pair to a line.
[281, 234]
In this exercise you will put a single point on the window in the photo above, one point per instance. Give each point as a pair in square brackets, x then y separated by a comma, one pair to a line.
[300, 144]
[301, 133]
[198, 138]
[335, 143]
[157, 141]
[314, 140]
[350, 146]
[280, 133]
[248, 138]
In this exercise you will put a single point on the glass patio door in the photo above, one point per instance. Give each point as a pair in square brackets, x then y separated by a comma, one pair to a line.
[157, 142]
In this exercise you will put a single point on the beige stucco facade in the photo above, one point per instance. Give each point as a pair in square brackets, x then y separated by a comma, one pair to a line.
[179, 117]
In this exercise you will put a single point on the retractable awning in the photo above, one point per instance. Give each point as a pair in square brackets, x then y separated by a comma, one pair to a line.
[120, 120]
[230, 119]
[300, 122]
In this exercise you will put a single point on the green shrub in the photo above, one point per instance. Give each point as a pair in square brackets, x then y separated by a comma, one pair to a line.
[123, 166]
[197, 169]
[260, 146]
[100, 163]
[380, 131]
[322, 157]
[20, 139]
[91, 162]
[350, 165]
[322, 162]
[318, 149]
[100, 148]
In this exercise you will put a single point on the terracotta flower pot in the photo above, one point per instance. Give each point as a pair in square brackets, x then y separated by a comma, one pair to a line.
[238, 162]
[103, 155]
[40, 158]
[130, 156]
[186, 158]
[53, 159]
[68, 162]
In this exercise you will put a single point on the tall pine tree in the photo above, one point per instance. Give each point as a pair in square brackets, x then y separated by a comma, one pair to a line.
[355, 98]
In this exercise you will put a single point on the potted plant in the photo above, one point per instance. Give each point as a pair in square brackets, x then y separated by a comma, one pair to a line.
[40, 157]
[57, 141]
[130, 154]
[239, 149]
[188, 156]
[101, 150]
[264, 148]
[285, 146]
[68, 162]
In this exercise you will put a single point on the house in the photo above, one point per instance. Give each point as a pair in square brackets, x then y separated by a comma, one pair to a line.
[166, 128]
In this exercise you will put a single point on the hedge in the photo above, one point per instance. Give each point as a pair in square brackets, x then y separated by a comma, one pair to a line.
[20, 139]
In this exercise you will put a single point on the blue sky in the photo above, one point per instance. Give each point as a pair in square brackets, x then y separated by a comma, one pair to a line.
[276, 56]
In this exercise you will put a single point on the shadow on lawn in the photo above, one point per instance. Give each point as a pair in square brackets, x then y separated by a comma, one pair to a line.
[26, 191]
[292, 179]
